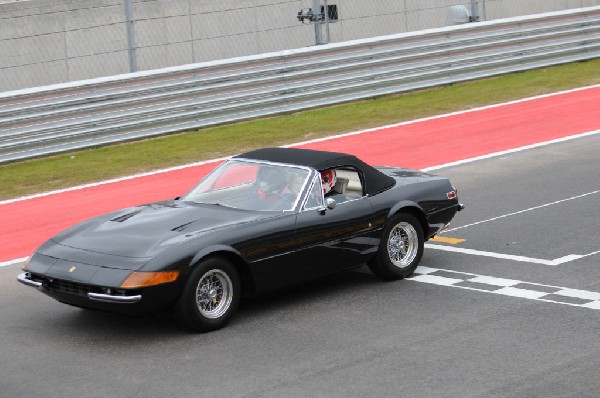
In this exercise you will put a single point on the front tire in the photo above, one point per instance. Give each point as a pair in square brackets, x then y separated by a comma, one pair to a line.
[401, 248]
[210, 297]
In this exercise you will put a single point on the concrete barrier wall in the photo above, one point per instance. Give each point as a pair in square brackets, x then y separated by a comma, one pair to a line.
[45, 41]
[53, 41]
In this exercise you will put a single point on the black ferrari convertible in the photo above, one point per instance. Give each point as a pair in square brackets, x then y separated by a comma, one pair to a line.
[260, 221]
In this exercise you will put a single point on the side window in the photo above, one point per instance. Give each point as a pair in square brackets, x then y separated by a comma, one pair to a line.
[348, 186]
[315, 196]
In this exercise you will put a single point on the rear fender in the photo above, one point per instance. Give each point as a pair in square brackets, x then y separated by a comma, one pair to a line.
[407, 206]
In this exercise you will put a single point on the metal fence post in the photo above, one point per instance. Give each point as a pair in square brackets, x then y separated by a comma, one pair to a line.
[484, 13]
[133, 67]
[326, 18]
[474, 11]
[318, 32]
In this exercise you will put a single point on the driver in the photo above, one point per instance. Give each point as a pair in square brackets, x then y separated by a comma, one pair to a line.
[272, 185]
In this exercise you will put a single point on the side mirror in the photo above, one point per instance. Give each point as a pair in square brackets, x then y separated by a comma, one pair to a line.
[331, 203]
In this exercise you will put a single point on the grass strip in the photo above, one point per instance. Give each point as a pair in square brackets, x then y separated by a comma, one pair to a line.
[80, 167]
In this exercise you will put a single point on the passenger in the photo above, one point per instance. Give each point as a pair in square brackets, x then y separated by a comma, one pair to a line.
[328, 179]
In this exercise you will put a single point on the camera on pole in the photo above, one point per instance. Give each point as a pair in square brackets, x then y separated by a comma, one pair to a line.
[307, 14]
[321, 19]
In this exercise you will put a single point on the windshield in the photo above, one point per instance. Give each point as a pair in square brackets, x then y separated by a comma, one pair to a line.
[250, 185]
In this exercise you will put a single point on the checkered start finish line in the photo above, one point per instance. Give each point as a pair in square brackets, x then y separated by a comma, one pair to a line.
[507, 287]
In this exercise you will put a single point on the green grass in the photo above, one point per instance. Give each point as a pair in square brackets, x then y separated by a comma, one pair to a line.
[86, 166]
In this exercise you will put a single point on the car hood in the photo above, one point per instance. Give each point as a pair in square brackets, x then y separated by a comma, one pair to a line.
[145, 231]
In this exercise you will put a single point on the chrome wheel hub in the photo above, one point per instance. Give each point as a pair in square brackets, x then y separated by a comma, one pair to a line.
[403, 244]
[214, 294]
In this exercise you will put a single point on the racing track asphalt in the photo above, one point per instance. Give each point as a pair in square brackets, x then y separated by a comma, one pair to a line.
[419, 144]
[465, 326]
[353, 335]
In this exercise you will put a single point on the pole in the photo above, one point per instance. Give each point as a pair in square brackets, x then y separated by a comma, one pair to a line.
[130, 36]
[474, 10]
[327, 36]
[318, 32]
[484, 16]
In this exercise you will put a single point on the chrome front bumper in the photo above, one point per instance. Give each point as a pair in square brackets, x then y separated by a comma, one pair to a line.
[112, 298]
[25, 278]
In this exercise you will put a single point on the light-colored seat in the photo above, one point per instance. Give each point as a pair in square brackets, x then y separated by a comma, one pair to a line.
[341, 184]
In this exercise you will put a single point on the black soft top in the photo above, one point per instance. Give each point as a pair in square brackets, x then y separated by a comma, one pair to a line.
[374, 180]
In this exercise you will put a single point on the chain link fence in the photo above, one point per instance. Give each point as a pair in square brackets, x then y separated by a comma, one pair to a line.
[55, 41]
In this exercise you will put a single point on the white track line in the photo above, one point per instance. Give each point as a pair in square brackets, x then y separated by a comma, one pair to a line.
[59, 191]
[11, 262]
[375, 129]
[522, 211]
[507, 287]
[95, 184]
[514, 150]
[531, 260]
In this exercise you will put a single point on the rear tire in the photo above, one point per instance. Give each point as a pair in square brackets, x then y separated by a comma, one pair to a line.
[401, 248]
[210, 297]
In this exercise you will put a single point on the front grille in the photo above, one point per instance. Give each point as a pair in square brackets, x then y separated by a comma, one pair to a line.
[66, 287]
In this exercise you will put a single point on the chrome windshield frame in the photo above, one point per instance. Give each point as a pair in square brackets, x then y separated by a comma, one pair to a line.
[302, 194]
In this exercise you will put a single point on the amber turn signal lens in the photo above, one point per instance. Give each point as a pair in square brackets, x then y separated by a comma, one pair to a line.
[143, 279]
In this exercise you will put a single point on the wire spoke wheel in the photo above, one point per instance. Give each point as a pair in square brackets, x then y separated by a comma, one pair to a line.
[401, 248]
[403, 244]
[211, 295]
[214, 294]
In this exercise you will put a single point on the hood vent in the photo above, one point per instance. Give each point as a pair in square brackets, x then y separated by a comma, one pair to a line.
[127, 216]
[182, 227]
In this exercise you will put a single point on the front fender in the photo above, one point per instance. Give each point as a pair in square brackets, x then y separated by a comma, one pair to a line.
[239, 262]
[215, 249]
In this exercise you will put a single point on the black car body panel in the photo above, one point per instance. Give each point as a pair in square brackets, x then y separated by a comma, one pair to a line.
[270, 249]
